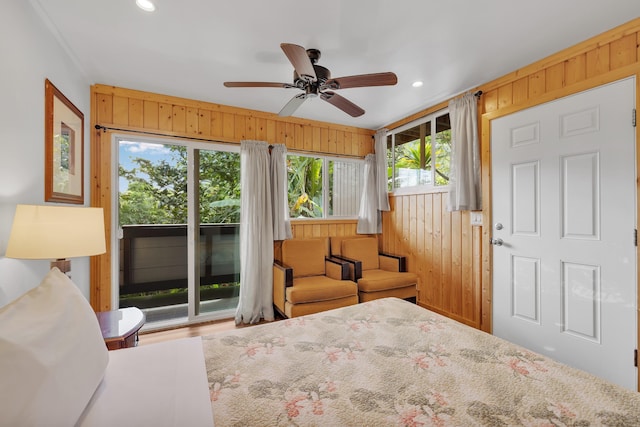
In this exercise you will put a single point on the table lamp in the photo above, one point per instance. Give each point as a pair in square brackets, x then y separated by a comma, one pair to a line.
[56, 232]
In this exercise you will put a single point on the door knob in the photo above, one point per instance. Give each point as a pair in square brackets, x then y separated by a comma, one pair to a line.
[496, 242]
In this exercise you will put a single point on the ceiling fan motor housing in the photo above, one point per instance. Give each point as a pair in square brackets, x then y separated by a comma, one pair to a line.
[311, 87]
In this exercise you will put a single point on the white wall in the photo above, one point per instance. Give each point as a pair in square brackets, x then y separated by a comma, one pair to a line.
[29, 53]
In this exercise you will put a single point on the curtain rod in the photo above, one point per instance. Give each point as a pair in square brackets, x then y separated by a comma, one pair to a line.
[146, 132]
[143, 132]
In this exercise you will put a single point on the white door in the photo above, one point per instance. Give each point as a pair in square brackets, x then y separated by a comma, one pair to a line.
[564, 185]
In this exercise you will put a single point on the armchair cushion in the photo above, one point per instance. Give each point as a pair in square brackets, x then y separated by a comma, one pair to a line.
[364, 250]
[305, 256]
[380, 280]
[319, 288]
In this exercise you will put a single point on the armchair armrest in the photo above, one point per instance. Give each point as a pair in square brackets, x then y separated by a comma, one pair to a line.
[391, 262]
[336, 268]
[355, 267]
[282, 278]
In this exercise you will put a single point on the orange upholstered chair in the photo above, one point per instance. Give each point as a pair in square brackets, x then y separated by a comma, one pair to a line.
[309, 281]
[378, 275]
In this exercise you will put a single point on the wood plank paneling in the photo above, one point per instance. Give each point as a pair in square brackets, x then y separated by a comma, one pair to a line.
[537, 84]
[191, 121]
[455, 297]
[240, 128]
[179, 119]
[216, 124]
[598, 61]
[575, 69]
[136, 113]
[505, 96]
[250, 128]
[554, 77]
[165, 117]
[150, 115]
[204, 123]
[103, 110]
[120, 111]
[228, 125]
[442, 247]
[623, 52]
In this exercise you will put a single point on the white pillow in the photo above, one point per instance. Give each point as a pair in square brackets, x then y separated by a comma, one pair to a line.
[52, 355]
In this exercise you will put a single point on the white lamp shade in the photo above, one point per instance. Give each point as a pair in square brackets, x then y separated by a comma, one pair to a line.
[55, 232]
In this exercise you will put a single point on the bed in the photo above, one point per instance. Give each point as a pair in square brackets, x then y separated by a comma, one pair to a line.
[389, 362]
[385, 362]
[55, 370]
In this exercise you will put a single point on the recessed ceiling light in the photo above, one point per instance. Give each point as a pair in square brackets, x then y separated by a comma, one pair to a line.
[417, 84]
[146, 5]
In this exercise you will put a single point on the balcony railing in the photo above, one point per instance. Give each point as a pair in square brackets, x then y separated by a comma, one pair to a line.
[153, 259]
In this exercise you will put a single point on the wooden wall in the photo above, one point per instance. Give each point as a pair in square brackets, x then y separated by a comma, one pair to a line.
[147, 114]
[442, 248]
[452, 258]
[305, 229]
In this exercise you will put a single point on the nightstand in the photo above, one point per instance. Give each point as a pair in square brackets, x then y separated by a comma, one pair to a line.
[120, 327]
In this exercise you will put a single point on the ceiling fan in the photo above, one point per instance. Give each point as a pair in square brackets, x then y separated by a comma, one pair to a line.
[315, 80]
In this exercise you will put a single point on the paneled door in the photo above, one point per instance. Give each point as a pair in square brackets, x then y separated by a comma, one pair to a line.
[564, 215]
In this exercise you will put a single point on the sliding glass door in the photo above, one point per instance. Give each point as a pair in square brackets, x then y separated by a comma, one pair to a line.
[219, 223]
[167, 191]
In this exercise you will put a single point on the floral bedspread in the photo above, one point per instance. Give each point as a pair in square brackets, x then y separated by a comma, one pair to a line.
[391, 363]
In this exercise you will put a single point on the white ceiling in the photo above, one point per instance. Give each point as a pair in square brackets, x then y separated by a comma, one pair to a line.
[188, 48]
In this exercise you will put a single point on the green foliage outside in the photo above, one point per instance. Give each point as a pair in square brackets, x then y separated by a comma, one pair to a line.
[305, 186]
[157, 194]
[407, 156]
[157, 191]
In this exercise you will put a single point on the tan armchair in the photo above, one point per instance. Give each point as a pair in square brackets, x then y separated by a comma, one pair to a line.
[308, 281]
[378, 275]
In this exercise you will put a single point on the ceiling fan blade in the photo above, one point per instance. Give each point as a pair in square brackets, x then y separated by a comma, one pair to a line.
[342, 103]
[361, 80]
[300, 60]
[293, 105]
[257, 84]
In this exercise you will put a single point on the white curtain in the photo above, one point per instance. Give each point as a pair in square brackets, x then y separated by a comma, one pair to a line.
[279, 188]
[369, 217]
[256, 234]
[375, 197]
[380, 147]
[464, 178]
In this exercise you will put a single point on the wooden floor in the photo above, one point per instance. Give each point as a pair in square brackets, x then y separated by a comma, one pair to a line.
[186, 331]
[200, 329]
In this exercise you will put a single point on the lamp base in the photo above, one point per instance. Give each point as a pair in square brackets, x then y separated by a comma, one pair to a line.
[64, 265]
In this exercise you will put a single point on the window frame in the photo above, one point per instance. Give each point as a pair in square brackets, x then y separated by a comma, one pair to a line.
[423, 188]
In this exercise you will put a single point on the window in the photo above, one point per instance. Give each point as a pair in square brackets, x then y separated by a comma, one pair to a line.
[419, 153]
[322, 187]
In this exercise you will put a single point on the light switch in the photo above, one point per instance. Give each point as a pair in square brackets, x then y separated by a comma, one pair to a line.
[476, 218]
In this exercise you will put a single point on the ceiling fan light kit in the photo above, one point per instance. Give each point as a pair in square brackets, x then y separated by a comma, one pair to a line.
[315, 80]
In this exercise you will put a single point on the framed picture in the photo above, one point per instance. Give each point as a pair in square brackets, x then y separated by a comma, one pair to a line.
[64, 148]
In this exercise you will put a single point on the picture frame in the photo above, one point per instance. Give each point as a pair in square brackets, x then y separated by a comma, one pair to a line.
[64, 148]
